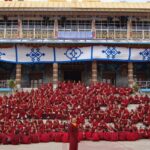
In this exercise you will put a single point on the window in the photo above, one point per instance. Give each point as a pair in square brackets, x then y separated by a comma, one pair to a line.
[141, 25]
[38, 24]
[75, 25]
[110, 24]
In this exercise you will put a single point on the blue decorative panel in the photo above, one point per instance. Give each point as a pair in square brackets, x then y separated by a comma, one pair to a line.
[145, 54]
[45, 54]
[73, 53]
[111, 52]
[2, 54]
[35, 54]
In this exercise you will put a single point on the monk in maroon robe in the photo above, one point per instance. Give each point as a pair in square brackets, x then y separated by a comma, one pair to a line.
[73, 135]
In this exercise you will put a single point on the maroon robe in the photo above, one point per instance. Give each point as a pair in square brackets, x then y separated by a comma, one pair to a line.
[95, 136]
[1, 137]
[44, 137]
[73, 137]
[58, 137]
[65, 137]
[26, 139]
[35, 138]
[122, 135]
[15, 139]
[132, 136]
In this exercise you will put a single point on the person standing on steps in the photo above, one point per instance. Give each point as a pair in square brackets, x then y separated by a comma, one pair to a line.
[73, 134]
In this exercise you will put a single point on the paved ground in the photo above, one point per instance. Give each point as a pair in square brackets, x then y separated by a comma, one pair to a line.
[102, 145]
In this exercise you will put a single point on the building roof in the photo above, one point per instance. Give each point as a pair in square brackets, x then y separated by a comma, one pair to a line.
[74, 5]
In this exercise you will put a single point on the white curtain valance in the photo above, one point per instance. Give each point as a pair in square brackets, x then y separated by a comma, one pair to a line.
[26, 54]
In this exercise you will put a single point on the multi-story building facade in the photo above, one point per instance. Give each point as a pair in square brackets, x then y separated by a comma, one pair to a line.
[88, 40]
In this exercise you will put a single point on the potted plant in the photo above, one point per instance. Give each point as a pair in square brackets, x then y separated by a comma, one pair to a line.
[135, 87]
[12, 84]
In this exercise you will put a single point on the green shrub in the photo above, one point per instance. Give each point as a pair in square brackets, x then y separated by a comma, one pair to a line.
[11, 84]
[135, 87]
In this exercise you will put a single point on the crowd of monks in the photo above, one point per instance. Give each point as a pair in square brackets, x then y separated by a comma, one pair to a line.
[102, 113]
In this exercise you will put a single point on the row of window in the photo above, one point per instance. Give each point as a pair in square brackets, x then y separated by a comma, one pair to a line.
[74, 24]
[62, 23]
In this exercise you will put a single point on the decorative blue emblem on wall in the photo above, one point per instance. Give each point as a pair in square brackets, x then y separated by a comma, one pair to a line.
[73, 53]
[35, 54]
[2, 54]
[111, 52]
[145, 54]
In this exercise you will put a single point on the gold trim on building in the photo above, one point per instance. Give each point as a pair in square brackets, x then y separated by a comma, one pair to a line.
[63, 5]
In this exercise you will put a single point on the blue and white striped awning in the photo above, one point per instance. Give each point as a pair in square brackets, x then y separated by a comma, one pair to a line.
[44, 54]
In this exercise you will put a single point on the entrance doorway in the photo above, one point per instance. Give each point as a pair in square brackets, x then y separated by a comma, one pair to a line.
[72, 75]
[36, 79]
[109, 77]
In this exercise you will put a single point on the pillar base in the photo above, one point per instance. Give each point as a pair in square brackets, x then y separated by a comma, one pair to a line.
[18, 86]
[55, 86]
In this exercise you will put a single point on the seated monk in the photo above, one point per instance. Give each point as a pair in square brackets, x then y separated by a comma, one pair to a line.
[95, 136]
[113, 136]
[51, 134]
[44, 137]
[146, 133]
[7, 137]
[65, 137]
[35, 137]
[81, 136]
[1, 136]
[15, 138]
[106, 136]
[88, 135]
[141, 132]
[26, 138]
[132, 136]
[101, 134]
[122, 136]
[58, 137]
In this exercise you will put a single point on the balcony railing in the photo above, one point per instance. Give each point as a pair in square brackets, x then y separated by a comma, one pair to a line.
[32, 83]
[111, 34]
[38, 33]
[4, 84]
[143, 84]
[48, 33]
[10, 33]
[141, 34]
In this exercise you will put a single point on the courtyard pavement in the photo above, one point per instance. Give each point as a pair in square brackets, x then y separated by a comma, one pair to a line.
[85, 145]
